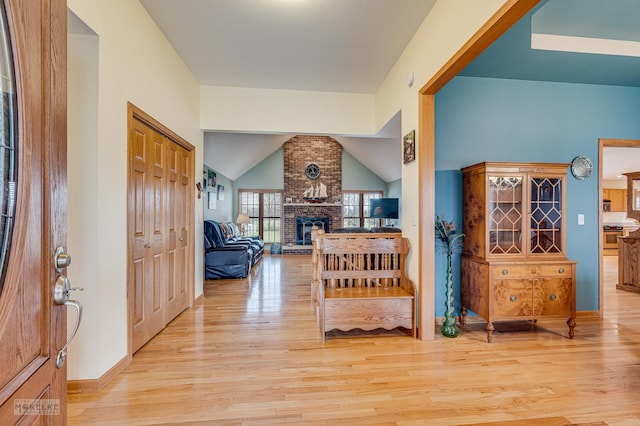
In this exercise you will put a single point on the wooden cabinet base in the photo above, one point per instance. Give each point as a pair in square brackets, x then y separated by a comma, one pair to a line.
[490, 327]
[532, 291]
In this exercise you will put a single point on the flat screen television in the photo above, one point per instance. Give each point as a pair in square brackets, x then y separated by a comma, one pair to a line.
[385, 208]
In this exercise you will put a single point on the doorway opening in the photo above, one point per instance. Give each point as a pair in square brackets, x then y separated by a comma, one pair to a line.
[615, 157]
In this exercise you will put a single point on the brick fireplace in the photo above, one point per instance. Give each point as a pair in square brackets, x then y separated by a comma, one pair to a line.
[299, 152]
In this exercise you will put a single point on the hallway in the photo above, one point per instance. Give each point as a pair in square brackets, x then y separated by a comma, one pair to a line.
[251, 353]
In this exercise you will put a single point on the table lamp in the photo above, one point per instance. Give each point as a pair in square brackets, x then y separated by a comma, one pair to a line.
[243, 218]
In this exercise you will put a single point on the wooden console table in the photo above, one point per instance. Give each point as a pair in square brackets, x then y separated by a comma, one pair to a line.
[629, 263]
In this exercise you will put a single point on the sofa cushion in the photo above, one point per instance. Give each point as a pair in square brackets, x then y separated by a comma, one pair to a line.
[227, 232]
[213, 232]
[235, 232]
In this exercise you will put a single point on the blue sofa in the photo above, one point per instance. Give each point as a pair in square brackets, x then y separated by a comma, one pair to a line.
[226, 253]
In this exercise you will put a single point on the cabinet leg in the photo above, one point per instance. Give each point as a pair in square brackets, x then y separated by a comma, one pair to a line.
[463, 316]
[490, 328]
[572, 324]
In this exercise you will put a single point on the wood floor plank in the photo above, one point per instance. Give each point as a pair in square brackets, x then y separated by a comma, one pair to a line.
[252, 354]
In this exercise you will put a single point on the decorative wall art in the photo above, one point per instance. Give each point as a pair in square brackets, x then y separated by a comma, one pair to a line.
[409, 147]
[212, 178]
[220, 192]
[212, 200]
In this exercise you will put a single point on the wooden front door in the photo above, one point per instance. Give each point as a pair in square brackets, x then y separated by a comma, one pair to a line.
[33, 210]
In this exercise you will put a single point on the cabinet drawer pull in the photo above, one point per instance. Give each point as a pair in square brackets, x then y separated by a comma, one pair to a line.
[553, 297]
[561, 270]
[513, 297]
[505, 272]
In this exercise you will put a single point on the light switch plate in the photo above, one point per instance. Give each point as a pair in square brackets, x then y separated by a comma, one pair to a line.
[580, 219]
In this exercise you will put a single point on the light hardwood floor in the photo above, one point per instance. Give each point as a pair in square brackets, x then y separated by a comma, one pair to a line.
[252, 354]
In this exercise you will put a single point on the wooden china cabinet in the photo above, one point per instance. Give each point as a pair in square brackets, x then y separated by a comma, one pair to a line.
[514, 265]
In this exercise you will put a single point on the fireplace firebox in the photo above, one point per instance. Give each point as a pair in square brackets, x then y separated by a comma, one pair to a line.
[304, 225]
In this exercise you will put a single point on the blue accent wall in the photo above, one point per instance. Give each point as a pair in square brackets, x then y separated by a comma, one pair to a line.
[482, 119]
[449, 208]
[357, 177]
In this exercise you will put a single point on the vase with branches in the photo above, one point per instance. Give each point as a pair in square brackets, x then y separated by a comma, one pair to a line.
[450, 239]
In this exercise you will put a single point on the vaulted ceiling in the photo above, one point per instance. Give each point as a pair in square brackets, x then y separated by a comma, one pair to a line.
[350, 45]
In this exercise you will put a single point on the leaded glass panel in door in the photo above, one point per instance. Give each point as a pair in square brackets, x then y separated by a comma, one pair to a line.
[546, 215]
[505, 215]
[8, 145]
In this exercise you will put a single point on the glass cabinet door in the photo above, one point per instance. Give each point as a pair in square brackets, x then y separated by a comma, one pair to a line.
[505, 214]
[546, 215]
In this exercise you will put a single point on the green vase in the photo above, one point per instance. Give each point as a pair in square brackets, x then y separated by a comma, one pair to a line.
[449, 328]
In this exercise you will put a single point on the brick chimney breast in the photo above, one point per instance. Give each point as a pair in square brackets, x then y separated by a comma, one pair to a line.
[299, 152]
[302, 150]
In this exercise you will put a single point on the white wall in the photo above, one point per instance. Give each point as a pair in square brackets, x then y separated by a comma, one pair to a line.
[82, 206]
[286, 111]
[614, 183]
[135, 63]
[448, 26]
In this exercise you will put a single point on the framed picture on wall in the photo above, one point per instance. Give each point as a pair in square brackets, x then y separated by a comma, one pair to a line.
[212, 178]
[220, 192]
[211, 200]
[409, 147]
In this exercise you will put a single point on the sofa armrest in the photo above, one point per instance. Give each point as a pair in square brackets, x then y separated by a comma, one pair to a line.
[233, 255]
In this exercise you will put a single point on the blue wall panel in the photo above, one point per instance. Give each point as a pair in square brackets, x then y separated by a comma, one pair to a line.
[449, 208]
[481, 119]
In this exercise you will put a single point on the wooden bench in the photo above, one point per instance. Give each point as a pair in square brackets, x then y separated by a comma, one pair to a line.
[359, 282]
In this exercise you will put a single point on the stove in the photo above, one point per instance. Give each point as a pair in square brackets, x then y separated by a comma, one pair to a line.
[610, 234]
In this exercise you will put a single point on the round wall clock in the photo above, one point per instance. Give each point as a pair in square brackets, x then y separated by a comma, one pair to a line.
[312, 171]
[581, 167]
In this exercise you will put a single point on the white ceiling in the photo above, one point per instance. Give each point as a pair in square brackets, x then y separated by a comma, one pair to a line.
[315, 45]
[616, 161]
[318, 45]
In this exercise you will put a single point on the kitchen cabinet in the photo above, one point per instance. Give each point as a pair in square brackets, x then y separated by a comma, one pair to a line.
[618, 198]
[514, 265]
